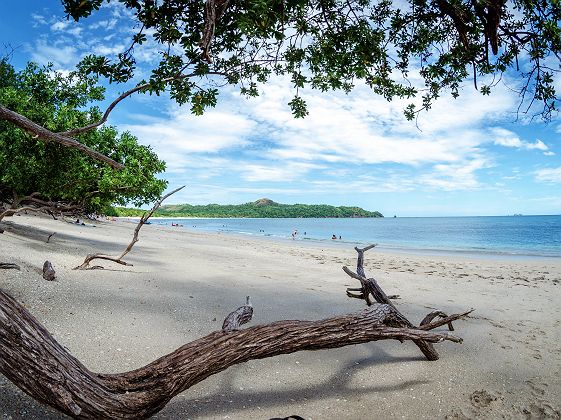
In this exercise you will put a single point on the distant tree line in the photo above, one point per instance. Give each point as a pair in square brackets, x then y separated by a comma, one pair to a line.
[254, 209]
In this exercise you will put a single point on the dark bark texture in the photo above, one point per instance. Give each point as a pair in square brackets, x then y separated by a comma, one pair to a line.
[34, 361]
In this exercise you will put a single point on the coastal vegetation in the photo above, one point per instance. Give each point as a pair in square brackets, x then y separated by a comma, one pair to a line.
[35, 175]
[261, 208]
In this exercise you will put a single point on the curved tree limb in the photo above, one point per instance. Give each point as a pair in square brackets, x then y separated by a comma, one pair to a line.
[113, 104]
[128, 93]
[119, 259]
[40, 366]
[46, 135]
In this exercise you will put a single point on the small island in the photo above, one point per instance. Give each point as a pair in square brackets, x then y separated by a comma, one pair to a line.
[263, 207]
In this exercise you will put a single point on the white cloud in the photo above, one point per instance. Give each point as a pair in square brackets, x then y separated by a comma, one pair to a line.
[360, 129]
[507, 138]
[61, 56]
[455, 176]
[38, 20]
[275, 173]
[550, 153]
[552, 175]
[60, 25]
[184, 133]
[364, 128]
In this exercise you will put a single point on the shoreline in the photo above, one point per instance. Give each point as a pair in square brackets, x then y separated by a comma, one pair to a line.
[484, 254]
[183, 283]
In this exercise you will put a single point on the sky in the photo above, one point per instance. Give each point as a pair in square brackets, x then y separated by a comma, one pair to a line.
[468, 156]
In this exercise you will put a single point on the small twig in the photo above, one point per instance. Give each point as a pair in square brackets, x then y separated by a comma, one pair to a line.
[8, 266]
[445, 320]
[50, 236]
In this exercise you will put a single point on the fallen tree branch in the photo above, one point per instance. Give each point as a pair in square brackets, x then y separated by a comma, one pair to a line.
[46, 135]
[369, 287]
[119, 259]
[56, 378]
[40, 206]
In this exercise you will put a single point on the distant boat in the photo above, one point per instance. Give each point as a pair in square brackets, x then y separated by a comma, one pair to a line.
[394, 216]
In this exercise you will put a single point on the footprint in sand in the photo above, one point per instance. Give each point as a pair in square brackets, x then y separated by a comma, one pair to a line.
[482, 398]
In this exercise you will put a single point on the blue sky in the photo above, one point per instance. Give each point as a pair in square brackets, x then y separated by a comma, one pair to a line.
[469, 156]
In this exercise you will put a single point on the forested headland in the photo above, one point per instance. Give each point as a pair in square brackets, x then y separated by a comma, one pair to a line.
[260, 208]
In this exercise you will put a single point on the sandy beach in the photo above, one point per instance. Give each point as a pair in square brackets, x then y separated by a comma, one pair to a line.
[184, 283]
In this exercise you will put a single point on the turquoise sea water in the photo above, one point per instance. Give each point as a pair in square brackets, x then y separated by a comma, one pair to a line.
[493, 235]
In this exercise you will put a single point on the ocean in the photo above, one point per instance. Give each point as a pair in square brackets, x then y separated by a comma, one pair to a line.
[487, 235]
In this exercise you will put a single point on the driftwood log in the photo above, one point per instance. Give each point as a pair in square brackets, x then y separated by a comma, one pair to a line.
[34, 361]
[119, 259]
[370, 288]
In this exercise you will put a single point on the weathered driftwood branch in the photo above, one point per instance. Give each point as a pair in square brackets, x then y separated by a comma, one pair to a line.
[119, 259]
[11, 212]
[33, 360]
[446, 320]
[32, 203]
[8, 266]
[46, 135]
[369, 287]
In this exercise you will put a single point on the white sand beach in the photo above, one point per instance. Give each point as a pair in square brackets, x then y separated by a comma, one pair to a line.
[184, 283]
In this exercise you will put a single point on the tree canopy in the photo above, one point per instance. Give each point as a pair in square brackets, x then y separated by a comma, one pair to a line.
[51, 175]
[401, 49]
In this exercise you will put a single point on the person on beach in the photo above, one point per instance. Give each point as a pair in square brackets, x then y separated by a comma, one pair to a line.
[334, 236]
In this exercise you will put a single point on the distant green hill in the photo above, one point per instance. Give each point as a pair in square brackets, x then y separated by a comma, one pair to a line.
[260, 208]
